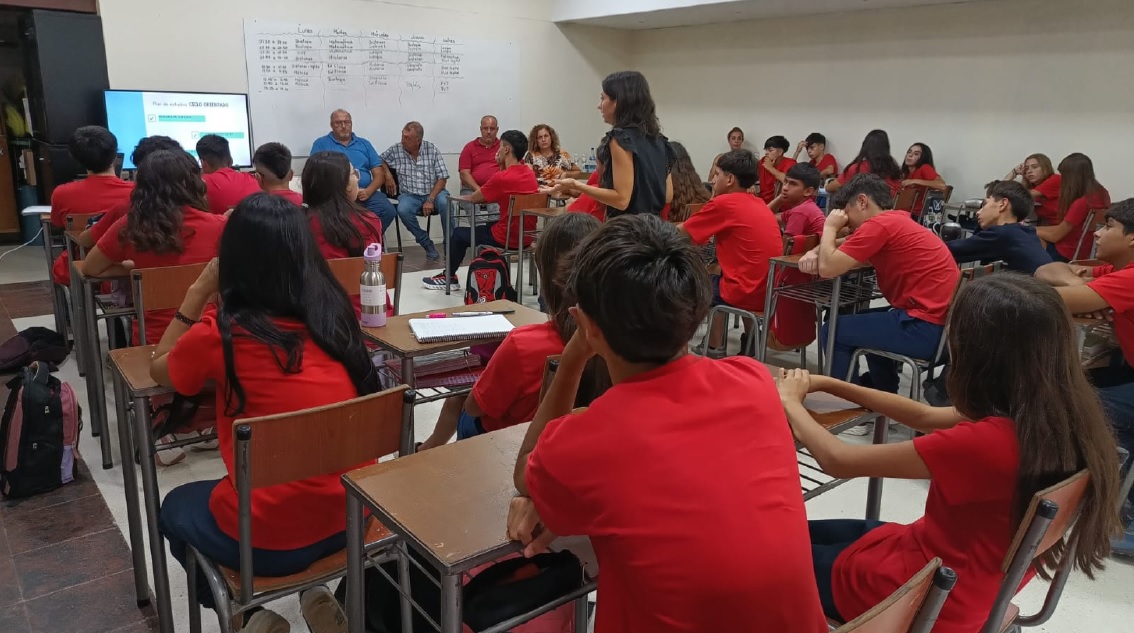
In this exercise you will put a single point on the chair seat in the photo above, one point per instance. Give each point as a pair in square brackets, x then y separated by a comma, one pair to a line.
[329, 567]
[1010, 615]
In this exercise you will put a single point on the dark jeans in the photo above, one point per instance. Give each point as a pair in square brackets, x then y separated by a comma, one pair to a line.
[381, 206]
[828, 539]
[1115, 386]
[185, 519]
[882, 329]
[461, 239]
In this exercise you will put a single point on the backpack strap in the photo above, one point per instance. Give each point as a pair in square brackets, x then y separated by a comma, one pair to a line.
[179, 413]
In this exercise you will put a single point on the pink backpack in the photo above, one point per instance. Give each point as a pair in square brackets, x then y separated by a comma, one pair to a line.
[39, 434]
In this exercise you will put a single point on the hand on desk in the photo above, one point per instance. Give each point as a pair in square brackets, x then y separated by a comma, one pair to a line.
[525, 526]
[809, 262]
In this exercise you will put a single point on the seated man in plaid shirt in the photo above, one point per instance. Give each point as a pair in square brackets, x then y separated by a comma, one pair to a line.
[420, 184]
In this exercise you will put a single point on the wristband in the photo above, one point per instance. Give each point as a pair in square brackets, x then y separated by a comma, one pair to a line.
[184, 319]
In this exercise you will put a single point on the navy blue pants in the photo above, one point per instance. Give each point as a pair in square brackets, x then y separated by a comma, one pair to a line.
[828, 539]
[185, 519]
[1115, 386]
[883, 329]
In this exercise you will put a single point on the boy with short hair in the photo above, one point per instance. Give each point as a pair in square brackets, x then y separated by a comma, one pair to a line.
[226, 186]
[1109, 288]
[1002, 234]
[796, 207]
[272, 162]
[816, 146]
[773, 167]
[618, 479]
[916, 274]
[747, 237]
[793, 324]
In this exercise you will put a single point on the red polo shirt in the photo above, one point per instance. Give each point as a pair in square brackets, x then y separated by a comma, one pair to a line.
[805, 218]
[768, 182]
[747, 237]
[1076, 216]
[916, 271]
[295, 197]
[517, 179]
[479, 160]
[1116, 287]
[227, 187]
[284, 516]
[691, 535]
[1047, 205]
[508, 390]
[93, 194]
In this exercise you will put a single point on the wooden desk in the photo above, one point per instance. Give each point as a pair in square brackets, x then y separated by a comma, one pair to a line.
[544, 214]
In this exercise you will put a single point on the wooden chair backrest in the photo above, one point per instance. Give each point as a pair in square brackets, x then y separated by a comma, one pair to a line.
[163, 288]
[549, 368]
[1068, 496]
[1095, 218]
[948, 193]
[803, 243]
[694, 208]
[1088, 262]
[520, 202]
[329, 439]
[348, 270]
[906, 198]
[78, 220]
[897, 612]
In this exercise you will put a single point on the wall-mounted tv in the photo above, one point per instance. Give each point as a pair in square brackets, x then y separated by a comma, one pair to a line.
[184, 116]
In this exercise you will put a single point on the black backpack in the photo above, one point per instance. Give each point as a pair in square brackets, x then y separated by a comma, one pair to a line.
[489, 278]
[33, 344]
[39, 433]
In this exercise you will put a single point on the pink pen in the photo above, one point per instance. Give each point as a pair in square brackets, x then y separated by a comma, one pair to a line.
[436, 315]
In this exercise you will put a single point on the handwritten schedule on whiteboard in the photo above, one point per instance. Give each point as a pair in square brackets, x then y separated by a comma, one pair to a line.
[298, 73]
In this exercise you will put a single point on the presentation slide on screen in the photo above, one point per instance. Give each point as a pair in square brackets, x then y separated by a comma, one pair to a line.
[182, 116]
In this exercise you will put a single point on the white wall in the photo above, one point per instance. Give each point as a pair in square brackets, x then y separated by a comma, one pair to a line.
[199, 45]
[983, 84]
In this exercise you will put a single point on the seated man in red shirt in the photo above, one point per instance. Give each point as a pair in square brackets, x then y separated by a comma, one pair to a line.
[227, 187]
[1109, 288]
[916, 274]
[272, 162]
[690, 536]
[514, 178]
[747, 237]
[773, 167]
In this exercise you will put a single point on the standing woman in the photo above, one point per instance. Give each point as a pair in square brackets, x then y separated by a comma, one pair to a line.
[873, 157]
[1043, 183]
[688, 188]
[1079, 192]
[918, 171]
[546, 158]
[735, 142]
[637, 156]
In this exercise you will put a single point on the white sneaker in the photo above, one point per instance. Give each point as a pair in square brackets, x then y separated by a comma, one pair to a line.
[859, 430]
[207, 445]
[168, 457]
[321, 612]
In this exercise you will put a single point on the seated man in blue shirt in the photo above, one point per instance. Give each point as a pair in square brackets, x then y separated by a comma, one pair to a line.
[365, 159]
[1001, 235]
[420, 184]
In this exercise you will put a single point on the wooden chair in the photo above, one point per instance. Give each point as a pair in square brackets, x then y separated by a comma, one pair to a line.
[516, 204]
[913, 608]
[1048, 520]
[161, 288]
[286, 447]
[348, 270]
[919, 365]
[907, 197]
[1095, 218]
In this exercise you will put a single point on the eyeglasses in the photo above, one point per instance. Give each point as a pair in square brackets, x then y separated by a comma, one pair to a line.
[340, 123]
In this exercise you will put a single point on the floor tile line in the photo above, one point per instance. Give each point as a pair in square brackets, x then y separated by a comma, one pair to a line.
[112, 526]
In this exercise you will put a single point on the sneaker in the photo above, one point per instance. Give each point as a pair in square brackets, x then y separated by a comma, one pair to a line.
[1123, 546]
[437, 282]
[265, 621]
[168, 457]
[711, 352]
[431, 252]
[859, 430]
[321, 612]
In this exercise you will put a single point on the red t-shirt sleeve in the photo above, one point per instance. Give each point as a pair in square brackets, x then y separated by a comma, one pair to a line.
[796, 223]
[865, 242]
[195, 356]
[710, 220]
[1116, 288]
[1076, 213]
[498, 388]
[925, 172]
[493, 188]
[465, 161]
[827, 161]
[108, 219]
[550, 473]
[1050, 188]
[959, 458]
[109, 243]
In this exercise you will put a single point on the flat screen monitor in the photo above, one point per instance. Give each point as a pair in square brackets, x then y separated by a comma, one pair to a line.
[183, 116]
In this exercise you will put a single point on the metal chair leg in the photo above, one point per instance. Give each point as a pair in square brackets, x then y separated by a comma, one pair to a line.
[191, 591]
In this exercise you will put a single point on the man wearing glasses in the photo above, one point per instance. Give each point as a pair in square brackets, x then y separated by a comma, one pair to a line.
[365, 159]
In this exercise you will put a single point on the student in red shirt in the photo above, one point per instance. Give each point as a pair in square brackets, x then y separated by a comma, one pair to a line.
[773, 167]
[691, 535]
[272, 162]
[95, 148]
[916, 274]
[341, 226]
[918, 171]
[873, 157]
[1011, 432]
[1080, 192]
[283, 339]
[507, 393]
[1044, 184]
[793, 323]
[164, 227]
[747, 236]
[1109, 288]
[816, 146]
[795, 207]
[688, 188]
[227, 187]
[514, 178]
[583, 203]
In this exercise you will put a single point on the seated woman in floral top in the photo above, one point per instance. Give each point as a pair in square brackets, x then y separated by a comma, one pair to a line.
[546, 159]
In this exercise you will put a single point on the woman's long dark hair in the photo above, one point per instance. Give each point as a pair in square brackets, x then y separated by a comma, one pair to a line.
[1079, 180]
[553, 257]
[167, 181]
[875, 151]
[271, 268]
[926, 159]
[1013, 355]
[634, 107]
[688, 188]
[325, 179]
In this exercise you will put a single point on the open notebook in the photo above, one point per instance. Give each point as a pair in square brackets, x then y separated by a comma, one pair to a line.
[459, 328]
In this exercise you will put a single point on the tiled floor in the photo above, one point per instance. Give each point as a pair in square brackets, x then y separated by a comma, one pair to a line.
[64, 565]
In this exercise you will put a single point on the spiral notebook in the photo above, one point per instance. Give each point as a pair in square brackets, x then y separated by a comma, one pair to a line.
[459, 328]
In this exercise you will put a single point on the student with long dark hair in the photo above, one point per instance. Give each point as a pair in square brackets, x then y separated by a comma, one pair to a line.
[1011, 432]
[873, 157]
[1079, 192]
[283, 338]
[637, 155]
[342, 227]
[918, 171]
[507, 393]
[688, 188]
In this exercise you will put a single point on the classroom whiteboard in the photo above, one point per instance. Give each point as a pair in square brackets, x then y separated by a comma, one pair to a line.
[299, 73]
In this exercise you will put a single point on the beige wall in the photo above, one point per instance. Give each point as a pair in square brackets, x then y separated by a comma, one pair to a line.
[984, 84]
